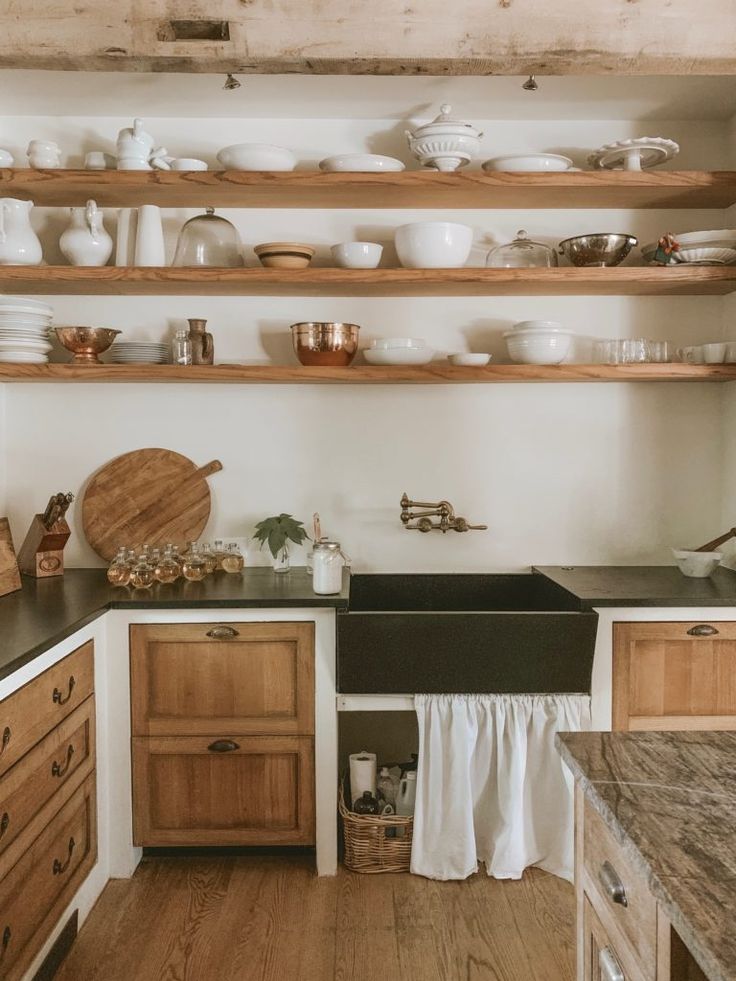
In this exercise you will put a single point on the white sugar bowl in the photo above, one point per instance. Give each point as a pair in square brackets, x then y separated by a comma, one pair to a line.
[445, 143]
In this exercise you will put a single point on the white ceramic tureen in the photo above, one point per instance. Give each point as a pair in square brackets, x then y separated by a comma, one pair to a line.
[445, 143]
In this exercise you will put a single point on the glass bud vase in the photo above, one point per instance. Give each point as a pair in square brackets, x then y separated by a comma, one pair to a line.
[281, 561]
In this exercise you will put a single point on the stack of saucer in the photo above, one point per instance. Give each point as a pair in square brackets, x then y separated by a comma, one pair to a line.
[139, 352]
[24, 330]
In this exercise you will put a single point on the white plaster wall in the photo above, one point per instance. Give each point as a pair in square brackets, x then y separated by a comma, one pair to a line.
[560, 473]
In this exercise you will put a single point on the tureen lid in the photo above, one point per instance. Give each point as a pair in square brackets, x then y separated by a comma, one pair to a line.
[444, 123]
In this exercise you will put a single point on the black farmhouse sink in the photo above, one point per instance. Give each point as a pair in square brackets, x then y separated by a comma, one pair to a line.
[463, 633]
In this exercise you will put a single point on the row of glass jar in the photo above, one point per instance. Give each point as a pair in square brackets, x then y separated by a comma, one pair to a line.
[194, 562]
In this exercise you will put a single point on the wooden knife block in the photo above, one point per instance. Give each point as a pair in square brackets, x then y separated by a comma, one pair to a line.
[42, 553]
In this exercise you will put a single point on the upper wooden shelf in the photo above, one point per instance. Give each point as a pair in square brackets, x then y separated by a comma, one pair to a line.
[409, 189]
[437, 373]
[257, 281]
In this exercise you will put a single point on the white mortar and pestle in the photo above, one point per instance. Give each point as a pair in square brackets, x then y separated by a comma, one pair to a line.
[701, 562]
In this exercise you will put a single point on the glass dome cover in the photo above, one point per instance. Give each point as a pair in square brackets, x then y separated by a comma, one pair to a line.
[522, 253]
[208, 240]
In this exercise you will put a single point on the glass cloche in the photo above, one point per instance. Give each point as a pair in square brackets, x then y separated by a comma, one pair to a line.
[208, 240]
[522, 253]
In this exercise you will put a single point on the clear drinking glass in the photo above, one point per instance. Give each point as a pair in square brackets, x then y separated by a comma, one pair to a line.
[635, 351]
[660, 352]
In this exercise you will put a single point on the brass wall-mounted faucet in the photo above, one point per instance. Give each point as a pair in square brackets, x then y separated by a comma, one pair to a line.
[448, 520]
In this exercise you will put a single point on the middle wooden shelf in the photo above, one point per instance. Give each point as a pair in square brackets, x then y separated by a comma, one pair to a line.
[187, 281]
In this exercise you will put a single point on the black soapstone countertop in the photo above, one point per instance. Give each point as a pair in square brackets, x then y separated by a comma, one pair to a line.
[644, 585]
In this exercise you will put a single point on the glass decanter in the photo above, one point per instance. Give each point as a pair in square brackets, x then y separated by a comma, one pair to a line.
[220, 552]
[173, 552]
[522, 253]
[167, 569]
[232, 560]
[208, 240]
[193, 566]
[210, 559]
[120, 569]
[142, 575]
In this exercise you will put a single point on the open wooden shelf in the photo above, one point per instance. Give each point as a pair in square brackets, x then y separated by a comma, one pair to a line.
[179, 281]
[437, 373]
[409, 189]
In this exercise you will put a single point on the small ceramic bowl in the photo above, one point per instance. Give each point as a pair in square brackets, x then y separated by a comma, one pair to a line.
[529, 163]
[6, 158]
[357, 255]
[284, 255]
[188, 163]
[696, 565]
[391, 343]
[469, 359]
[365, 163]
[256, 156]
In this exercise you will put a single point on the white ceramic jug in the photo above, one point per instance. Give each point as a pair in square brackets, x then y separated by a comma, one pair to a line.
[86, 242]
[149, 239]
[407, 795]
[19, 244]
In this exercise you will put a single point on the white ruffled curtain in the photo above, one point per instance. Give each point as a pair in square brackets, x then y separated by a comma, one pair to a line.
[491, 786]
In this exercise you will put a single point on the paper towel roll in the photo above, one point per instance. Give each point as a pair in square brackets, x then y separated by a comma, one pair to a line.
[362, 775]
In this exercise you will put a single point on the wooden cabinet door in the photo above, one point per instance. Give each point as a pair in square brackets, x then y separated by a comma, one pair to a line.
[209, 678]
[225, 791]
[674, 676]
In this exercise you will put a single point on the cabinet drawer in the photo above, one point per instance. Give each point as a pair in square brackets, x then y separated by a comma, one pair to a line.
[204, 679]
[29, 714]
[603, 960]
[634, 911]
[38, 887]
[36, 787]
[257, 790]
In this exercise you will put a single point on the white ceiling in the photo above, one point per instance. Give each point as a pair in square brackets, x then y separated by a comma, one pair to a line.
[39, 93]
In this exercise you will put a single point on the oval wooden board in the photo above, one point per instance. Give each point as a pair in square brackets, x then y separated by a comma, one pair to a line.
[147, 497]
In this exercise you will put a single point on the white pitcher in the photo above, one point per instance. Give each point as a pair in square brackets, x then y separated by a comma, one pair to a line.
[19, 244]
[149, 238]
[86, 242]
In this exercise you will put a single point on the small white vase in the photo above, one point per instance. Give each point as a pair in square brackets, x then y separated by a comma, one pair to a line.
[86, 242]
[125, 240]
[19, 244]
[149, 239]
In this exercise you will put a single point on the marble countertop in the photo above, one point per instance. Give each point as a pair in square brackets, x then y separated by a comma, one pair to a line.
[670, 800]
[46, 611]
[641, 585]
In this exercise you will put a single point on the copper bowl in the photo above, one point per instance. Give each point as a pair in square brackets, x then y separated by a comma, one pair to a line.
[86, 343]
[325, 343]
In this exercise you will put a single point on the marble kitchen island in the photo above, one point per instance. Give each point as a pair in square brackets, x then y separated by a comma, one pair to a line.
[667, 800]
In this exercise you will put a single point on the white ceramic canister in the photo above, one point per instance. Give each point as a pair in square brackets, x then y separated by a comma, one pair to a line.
[86, 242]
[327, 565]
[149, 238]
[44, 155]
[19, 244]
[125, 238]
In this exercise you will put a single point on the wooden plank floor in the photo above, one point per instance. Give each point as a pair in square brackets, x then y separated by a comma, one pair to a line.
[271, 919]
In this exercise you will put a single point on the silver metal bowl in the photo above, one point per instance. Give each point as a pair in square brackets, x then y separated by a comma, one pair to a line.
[325, 343]
[601, 249]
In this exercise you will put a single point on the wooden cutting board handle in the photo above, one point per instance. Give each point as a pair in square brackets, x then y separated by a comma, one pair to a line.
[214, 466]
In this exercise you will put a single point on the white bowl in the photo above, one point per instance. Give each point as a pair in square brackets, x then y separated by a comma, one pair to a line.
[188, 163]
[469, 360]
[357, 255]
[552, 326]
[366, 163]
[706, 255]
[529, 162]
[391, 343]
[538, 346]
[696, 565]
[399, 356]
[433, 244]
[256, 156]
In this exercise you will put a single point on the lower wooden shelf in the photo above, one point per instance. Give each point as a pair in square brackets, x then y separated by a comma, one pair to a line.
[437, 373]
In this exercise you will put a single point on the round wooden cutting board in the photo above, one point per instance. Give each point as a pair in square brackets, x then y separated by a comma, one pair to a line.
[147, 497]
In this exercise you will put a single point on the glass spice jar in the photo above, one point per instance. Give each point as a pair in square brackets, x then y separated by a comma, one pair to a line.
[210, 559]
[120, 569]
[167, 569]
[232, 560]
[193, 567]
[142, 575]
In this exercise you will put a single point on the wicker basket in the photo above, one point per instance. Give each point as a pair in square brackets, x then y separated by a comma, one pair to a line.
[368, 847]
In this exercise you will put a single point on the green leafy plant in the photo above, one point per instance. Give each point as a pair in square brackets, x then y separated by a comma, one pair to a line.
[279, 530]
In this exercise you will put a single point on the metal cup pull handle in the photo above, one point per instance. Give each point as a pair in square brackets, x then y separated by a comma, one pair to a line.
[58, 698]
[59, 769]
[609, 966]
[5, 740]
[58, 867]
[7, 934]
[4, 823]
[611, 882]
[702, 630]
[223, 633]
[223, 746]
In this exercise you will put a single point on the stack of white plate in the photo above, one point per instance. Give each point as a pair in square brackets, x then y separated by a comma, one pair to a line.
[24, 330]
[139, 352]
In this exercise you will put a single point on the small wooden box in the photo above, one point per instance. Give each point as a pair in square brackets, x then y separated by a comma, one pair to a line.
[42, 553]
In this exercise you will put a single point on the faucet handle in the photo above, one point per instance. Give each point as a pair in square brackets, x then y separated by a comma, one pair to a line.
[461, 524]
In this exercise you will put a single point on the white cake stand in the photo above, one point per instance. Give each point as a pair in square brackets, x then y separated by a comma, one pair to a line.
[638, 154]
